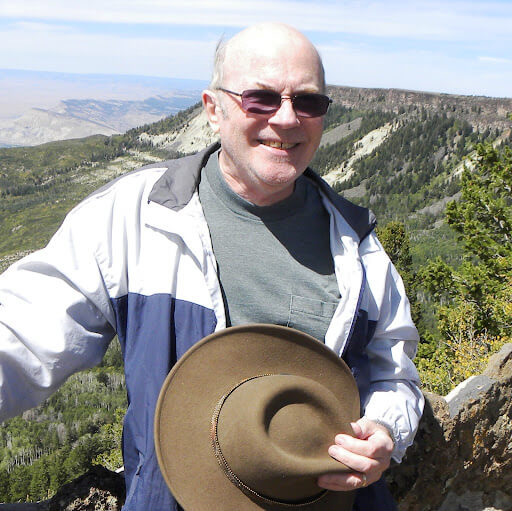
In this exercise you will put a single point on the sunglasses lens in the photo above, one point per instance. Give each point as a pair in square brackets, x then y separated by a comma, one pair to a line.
[311, 105]
[261, 101]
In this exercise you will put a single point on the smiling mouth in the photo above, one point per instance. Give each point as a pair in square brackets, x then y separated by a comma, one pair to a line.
[277, 145]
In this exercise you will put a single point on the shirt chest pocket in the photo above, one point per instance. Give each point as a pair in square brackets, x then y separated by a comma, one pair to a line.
[310, 316]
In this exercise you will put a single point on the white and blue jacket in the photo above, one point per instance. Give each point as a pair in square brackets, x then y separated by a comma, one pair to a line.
[135, 259]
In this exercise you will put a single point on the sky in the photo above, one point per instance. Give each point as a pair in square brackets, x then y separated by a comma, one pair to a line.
[450, 46]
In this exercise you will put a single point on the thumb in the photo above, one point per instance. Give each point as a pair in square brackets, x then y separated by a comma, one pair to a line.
[358, 429]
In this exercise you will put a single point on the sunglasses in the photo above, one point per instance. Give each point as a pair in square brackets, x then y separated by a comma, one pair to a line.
[267, 102]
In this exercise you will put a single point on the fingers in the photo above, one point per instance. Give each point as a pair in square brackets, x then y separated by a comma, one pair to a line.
[378, 446]
[359, 458]
[364, 470]
[343, 482]
[357, 429]
[368, 454]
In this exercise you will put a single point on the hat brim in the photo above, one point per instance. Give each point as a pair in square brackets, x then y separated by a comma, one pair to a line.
[202, 376]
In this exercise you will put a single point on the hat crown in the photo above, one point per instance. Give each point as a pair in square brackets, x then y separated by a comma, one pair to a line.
[273, 433]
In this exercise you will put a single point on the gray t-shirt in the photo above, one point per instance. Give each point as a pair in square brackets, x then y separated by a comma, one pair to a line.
[274, 262]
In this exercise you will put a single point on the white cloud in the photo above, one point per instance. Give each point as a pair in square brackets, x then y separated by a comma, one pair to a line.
[40, 27]
[30, 46]
[495, 60]
[417, 19]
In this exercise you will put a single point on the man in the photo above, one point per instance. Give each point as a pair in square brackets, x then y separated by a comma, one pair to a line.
[236, 234]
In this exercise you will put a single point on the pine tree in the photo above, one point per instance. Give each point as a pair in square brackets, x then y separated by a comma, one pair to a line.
[474, 301]
[40, 482]
[396, 243]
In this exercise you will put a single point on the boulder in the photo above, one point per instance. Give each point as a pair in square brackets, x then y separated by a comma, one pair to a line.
[461, 459]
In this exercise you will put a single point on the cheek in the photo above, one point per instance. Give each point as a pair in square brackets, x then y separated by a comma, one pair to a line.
[242, 133]
[314, 135]
[316, 129]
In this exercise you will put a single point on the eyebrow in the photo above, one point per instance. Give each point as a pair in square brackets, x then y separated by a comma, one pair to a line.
[264, 85]
[312, 90]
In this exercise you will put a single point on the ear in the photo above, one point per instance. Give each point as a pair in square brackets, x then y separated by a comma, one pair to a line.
[212, 109]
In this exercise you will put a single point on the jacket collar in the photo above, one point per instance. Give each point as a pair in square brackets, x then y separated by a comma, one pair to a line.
[361, 219]
[181, 179]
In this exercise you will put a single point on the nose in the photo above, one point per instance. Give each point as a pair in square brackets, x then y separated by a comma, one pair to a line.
[285, 116]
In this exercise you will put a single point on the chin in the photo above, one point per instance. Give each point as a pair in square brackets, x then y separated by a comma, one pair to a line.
[281, 175]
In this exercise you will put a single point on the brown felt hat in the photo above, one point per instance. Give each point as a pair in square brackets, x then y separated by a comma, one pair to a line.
[245, 418]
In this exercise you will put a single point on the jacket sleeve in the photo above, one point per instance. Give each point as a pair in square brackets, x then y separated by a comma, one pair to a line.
[395, 398]
[55, 314]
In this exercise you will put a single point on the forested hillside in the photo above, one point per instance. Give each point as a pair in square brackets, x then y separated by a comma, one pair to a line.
[77, 427]
[404, 154]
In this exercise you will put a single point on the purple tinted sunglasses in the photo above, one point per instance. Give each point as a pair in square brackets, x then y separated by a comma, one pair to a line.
[267, 102]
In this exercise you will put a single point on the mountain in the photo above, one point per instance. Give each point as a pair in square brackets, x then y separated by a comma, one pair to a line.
[399, 152]
[481, 112]
[35, 106]
[78, 118]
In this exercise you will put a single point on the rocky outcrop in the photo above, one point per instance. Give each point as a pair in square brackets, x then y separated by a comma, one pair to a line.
[480, 111]
[99, 489]
[461, 459]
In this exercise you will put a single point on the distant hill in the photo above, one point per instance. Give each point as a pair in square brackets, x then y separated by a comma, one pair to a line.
[78, 118]
[38, 107]
[21, 90]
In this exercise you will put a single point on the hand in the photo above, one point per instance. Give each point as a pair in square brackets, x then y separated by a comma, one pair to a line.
[368, 454]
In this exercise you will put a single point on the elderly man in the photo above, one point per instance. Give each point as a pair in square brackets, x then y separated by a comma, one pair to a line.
[240, 233]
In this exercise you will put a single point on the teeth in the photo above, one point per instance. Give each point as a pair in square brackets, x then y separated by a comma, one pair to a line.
[278, 145]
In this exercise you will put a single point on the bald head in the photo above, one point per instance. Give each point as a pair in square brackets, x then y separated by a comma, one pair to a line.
[263, 41]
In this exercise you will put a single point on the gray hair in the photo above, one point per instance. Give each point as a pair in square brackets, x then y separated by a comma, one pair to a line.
[218, 63]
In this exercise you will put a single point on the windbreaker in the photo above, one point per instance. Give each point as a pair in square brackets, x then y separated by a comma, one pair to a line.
[135, 259]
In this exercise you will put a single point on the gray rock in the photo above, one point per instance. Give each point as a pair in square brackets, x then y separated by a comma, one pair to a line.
[470, 389]
[461, 459]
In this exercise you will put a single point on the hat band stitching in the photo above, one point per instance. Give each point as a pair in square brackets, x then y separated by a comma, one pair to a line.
[225, 465]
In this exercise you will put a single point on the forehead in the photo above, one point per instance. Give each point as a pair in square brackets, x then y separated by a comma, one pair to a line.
[277, 63]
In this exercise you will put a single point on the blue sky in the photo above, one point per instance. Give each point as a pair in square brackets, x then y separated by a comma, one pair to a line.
[447, 46]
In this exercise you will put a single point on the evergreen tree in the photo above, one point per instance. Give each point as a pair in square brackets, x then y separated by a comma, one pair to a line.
[40, 482]
[4, 486]
[396, 243]
[474, 301]
[19, 481]
[58, 474]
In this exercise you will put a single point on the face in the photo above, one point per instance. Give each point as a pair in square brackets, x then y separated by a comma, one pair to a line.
[262, 155]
